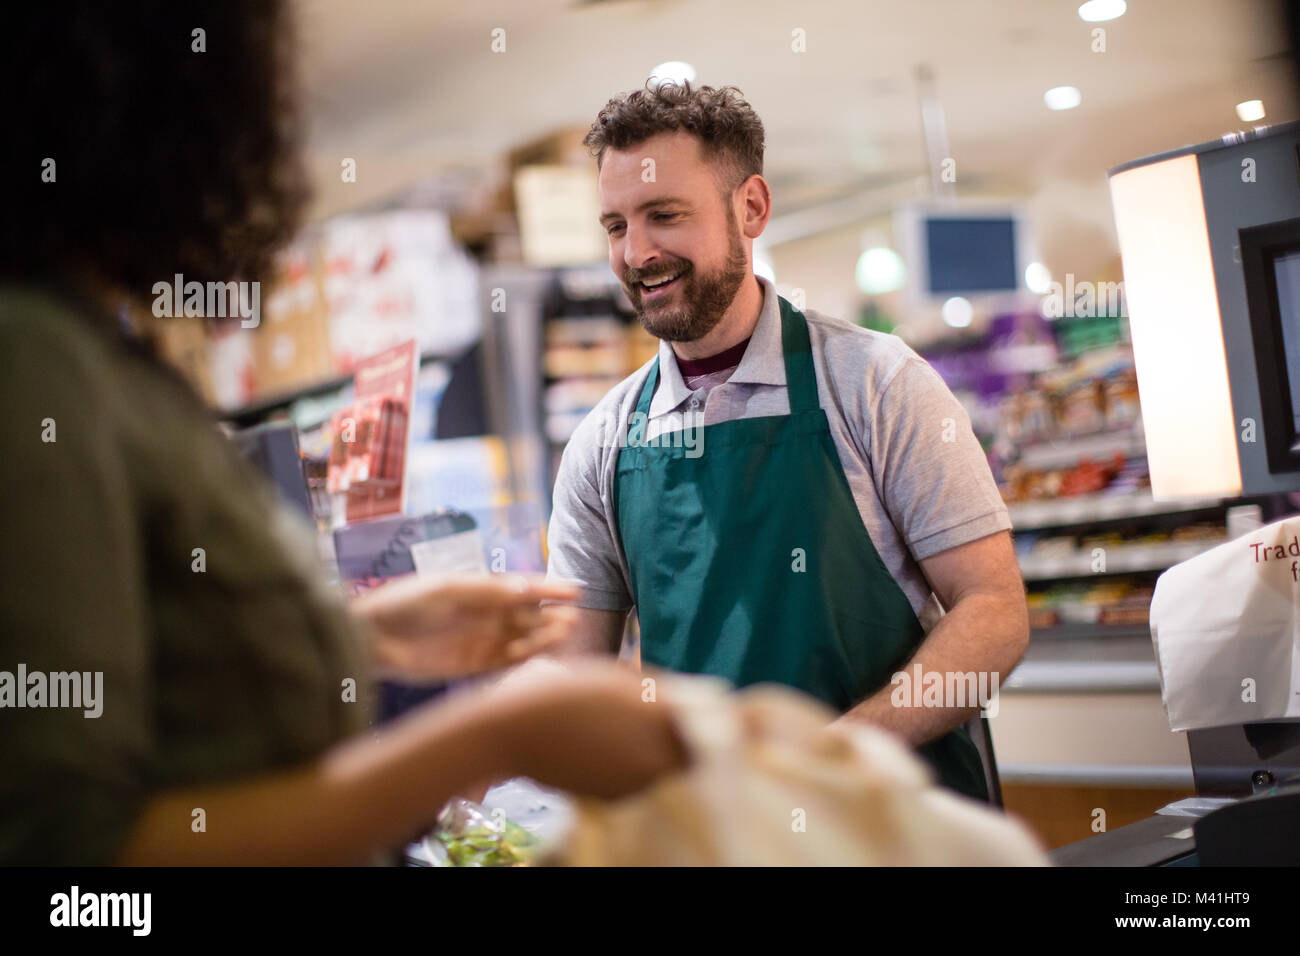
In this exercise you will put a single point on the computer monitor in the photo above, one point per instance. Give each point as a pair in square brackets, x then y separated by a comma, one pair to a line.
[273, 450]
[973, 248]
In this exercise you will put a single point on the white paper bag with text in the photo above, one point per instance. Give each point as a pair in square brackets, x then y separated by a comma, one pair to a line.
[1224, 625]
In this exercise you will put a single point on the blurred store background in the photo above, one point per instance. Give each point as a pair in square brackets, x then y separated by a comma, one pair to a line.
[938, 170]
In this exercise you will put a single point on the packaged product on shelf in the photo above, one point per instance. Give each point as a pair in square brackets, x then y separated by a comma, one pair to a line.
[370, 552]
[1122, 405]
[1080, 409]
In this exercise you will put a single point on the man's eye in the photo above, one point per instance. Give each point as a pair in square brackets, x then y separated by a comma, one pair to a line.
[665, 215]
[614, 228]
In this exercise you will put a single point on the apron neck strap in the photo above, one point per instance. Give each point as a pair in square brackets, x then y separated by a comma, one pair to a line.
[648, 390]
[800, 375]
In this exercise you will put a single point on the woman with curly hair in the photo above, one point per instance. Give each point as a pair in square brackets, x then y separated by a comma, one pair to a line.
[155, 139]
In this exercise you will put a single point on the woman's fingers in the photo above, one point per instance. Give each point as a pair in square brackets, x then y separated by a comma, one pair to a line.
[525, 618]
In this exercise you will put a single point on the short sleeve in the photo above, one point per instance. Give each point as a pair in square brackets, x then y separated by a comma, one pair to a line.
[581, 543]
[934, 477]
[72, 618]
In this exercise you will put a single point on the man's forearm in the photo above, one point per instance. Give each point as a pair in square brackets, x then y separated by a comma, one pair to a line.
[984, 635]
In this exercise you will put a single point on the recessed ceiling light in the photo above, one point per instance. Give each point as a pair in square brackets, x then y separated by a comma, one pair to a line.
[1062, 98]
[1251, 110]
[1099, 11]
[674, 71]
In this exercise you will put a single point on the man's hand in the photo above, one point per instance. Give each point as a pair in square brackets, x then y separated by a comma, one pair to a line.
[439, 630]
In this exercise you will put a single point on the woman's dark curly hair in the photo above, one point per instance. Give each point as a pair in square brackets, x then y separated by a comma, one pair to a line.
[730, 132]
[165, 159]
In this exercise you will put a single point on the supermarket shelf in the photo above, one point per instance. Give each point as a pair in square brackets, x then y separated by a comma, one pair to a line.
[1122, 559]
[1092, 664]
[254, 412]
[1068, 452]
[1084, 509]
[1076, 631]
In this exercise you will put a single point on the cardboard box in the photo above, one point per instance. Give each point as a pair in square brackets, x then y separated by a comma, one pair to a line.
[291, 345]
[562, 147]
[559, 215]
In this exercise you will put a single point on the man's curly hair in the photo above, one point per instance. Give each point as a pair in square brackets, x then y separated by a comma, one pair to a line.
[166, 159]
[729, 131]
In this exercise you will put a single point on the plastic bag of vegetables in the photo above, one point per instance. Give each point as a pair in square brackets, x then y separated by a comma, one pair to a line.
[468, 834]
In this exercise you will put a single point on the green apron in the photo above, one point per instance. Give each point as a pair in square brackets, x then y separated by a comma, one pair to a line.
[751, 561]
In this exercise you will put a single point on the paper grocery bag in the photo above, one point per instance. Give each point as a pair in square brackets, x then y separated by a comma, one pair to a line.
[768, 787]
[1225, 631]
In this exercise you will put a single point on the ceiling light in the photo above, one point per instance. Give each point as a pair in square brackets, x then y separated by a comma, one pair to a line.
[1099, 11]
[1251, 110]
[674, 71]
[1062, 98]
[957, 312]
[1037, 279]
[880, 270]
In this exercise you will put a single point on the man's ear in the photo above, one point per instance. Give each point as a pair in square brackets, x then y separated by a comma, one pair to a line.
[756, 208]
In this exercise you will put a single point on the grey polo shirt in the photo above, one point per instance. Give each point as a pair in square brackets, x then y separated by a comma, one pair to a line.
[918, 475]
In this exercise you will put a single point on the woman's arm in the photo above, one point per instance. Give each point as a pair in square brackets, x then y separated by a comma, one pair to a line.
[587, 731]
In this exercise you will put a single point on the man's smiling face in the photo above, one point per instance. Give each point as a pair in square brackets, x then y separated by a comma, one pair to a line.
[680, 227]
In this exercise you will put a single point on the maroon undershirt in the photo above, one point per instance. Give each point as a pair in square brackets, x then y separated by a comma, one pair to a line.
[694, 369]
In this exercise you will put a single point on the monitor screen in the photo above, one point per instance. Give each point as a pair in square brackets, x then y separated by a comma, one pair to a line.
[971, 254]
[1286, 276]
[1270, 263]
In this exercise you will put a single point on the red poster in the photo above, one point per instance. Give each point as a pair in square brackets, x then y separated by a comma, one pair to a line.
[368, 458]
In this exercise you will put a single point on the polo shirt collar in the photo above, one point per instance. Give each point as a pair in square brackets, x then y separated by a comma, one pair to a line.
[763, 362]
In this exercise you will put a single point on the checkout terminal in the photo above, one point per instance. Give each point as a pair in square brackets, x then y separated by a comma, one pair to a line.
[1210, 241]
[1246, 811]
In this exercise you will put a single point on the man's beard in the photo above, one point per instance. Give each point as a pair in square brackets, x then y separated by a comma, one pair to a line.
[703, 297]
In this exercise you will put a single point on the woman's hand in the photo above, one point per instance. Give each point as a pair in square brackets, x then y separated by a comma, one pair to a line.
[443, 629]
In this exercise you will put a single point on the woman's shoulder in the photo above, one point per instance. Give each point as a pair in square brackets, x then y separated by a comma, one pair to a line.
[50, 337]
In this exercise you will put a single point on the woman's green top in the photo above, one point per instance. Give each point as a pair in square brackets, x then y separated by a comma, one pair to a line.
[152, 588]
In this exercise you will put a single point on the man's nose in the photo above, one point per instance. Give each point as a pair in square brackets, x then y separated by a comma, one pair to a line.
[639, 249]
